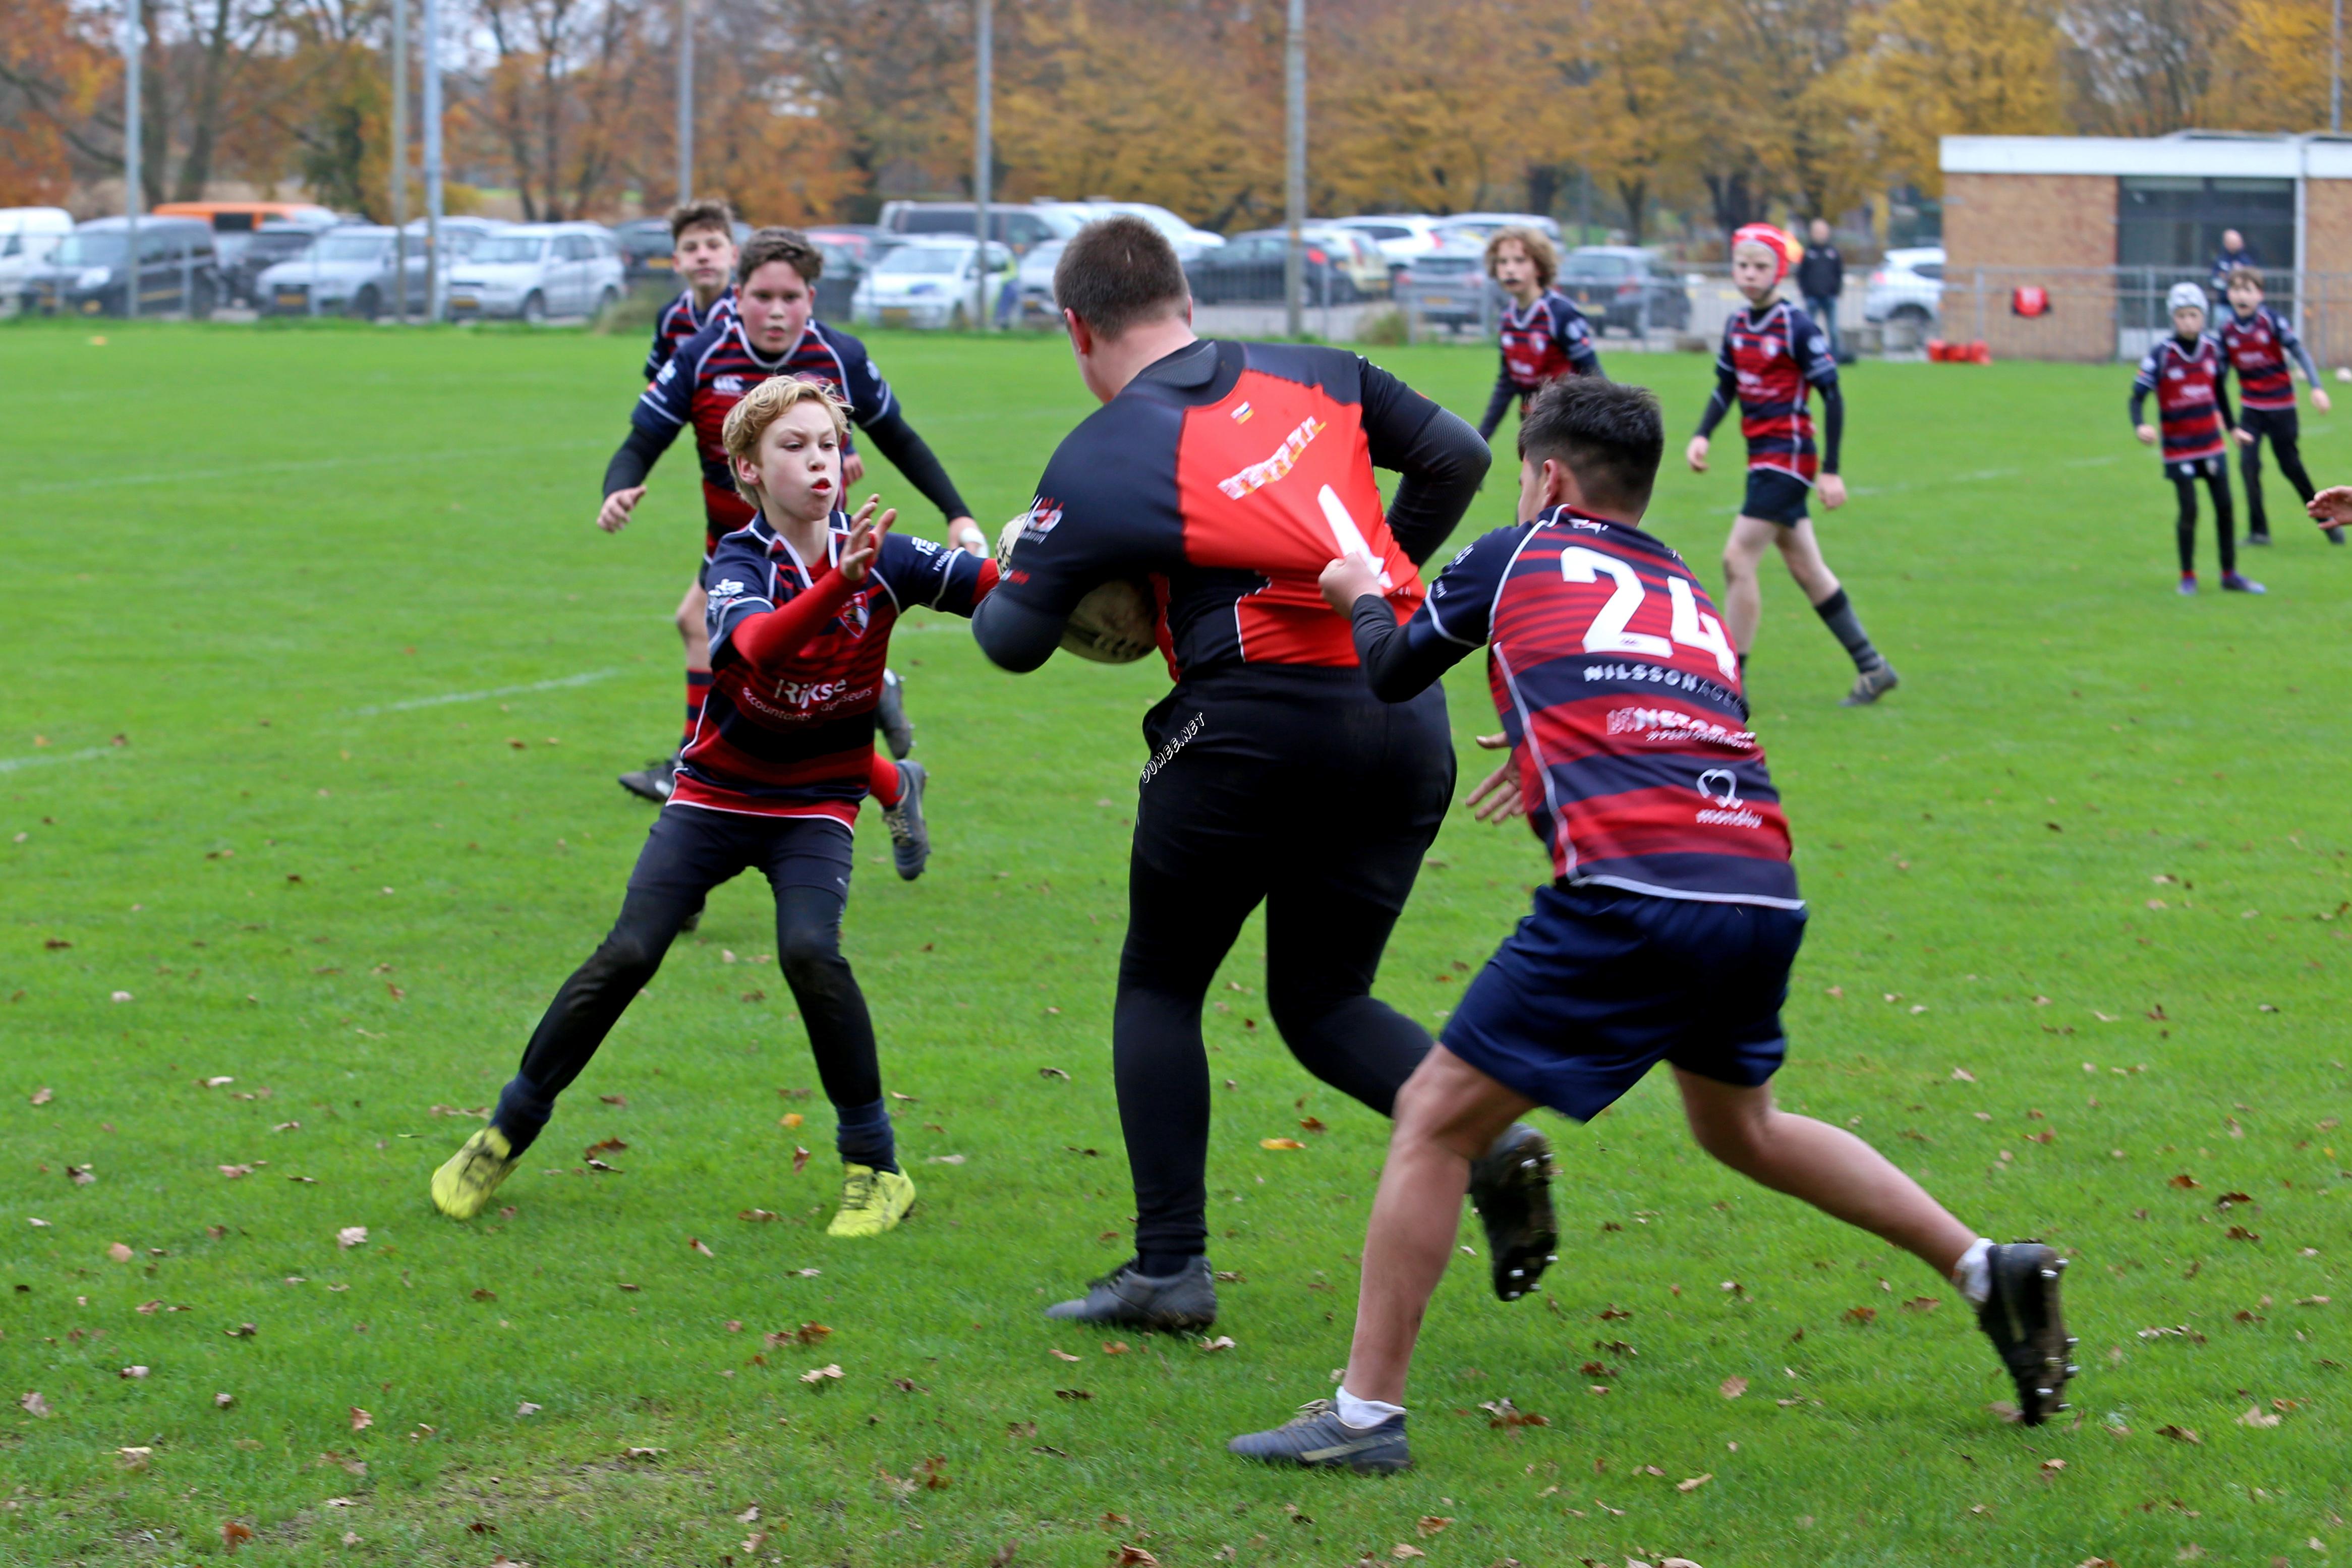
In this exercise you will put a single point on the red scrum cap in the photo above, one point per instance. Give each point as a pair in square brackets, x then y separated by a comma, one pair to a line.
[1782, 245]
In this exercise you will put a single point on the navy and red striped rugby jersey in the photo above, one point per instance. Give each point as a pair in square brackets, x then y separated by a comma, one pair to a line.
[1774, 356]
[711, 371]
[1544, 341]
[797, 740]
[2257, 346]
[2187, 386]
[1621, 695]
[678, 321]
[1230, 475]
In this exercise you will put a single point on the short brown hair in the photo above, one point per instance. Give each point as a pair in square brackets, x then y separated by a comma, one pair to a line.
[2237, 274]
[1535, 242]
[1118, 273]
[789, 247]
[761, 407]
[709, 212]
[1609, 434]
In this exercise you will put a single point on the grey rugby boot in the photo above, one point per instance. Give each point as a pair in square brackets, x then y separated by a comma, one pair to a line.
[2022, 1319]
[1511, 1189]
[910, 836]
[1186, 1299]
[1316, 1439]
[890, 715]
[654, 781]
[1870, 686]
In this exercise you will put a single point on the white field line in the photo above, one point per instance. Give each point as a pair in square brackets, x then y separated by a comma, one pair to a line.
[1974, 476]
[11, 764]
[292, 465]
[588, 678]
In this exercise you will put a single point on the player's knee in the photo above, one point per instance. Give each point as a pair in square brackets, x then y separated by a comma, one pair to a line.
[1300, 1010]
[627, 957]
[809, 955]
[1735, 1137]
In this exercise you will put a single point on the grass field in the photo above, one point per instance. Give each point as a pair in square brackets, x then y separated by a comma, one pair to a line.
[314, 677]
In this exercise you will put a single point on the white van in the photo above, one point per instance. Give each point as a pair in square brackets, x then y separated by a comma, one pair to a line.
[27, 235]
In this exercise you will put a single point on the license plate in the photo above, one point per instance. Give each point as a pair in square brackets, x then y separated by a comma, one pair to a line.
[463, 302]
[1441, 300]
[896, 315]
[291, 301]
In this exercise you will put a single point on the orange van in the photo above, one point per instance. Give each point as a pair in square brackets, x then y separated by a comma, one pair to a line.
[244, 217]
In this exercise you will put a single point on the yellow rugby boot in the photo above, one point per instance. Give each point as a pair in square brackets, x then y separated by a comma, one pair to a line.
[462, 1187]
[872, 1201]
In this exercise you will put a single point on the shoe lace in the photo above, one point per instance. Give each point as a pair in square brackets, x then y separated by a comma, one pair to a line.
[857, 1192]
[902, 830]
[1312, 1410]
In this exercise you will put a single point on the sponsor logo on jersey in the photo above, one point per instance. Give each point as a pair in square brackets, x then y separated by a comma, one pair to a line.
[1259, 474]
[1672, 726]
[1242, 412]
[1039, 519]
[1721, 791]
[728, 386]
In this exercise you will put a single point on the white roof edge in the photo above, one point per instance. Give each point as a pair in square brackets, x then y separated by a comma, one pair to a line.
[2224, 156]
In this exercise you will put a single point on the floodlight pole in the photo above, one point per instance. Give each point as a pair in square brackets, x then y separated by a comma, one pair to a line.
[432, 160]
[685, 102]
[1294, 202]
[982, 173]
[134, 44]
[2335, 69]
[400, 161]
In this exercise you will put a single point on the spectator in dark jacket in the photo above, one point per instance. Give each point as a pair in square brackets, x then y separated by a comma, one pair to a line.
[1821, 277]
[2235, 253]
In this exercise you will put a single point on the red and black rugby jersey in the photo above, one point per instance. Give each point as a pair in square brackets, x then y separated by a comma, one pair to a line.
[1771, 358]
[2258, 347]
[1621, 695]
[1230, 475]
[1545, 340]
[678, 321]
[796, 739]
[711, 372]
[2189, 401]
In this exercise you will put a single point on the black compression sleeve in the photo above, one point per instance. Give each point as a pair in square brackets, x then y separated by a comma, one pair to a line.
[1398, 666]
[912, 456]
[2139, 404]
[2221, 397]
[1441, 459]
[1013, 636]
[634, 460]
[1832, 426]
[1726, 388]
[1498, 405]
[2303, 356]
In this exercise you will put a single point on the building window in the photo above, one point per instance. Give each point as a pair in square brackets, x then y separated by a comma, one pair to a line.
[2175, 223]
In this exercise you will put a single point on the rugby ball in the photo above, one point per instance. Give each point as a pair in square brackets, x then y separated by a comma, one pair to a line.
[1116, 623]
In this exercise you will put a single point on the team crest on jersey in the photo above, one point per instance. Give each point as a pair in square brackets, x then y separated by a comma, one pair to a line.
[728, 386]
[1039, 519]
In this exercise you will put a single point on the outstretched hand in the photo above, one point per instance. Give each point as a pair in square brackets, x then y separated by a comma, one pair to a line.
[866, 535]
[2332, 507]
[1349, 579]
[1496, 797]
[614, 515]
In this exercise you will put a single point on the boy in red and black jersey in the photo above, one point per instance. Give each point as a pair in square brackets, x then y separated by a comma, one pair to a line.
[1226, 474]
[702, 257]
[2186, 372]
[801, 604]
[1544, 335]
[1773, 356]
[768, 331]
[2258, 342]
[1666, 935]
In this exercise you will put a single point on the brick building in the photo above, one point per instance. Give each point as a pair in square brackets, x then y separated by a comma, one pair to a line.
[2106, 225]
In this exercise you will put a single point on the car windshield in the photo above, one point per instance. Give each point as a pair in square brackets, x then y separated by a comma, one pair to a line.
[496, 250]
[352, 247]
[91, 249]
[925, 259]
[1596, 266]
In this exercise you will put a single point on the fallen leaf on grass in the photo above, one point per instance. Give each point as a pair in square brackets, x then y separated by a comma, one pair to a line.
[1962, 1075]
[223, 1401]
[352, 1236]
[1059, 1355]
[1210, 1346]
[2256, 1415]
[133, 1458]
[42, 1096]
[945, 1160]
[790, 1119]
[1313, 1125]
[643, 1453]
[361, 1419]
[1404, 1552]
[527, 1408]
[800, 1160]
[133, 1373]
[2184, 1180]
[1280, 1143]
[34, 1404]
[620, 1100]
[1695, 1482]
[80, 1176]
[1502, 1413]
[1432, 1523]
[820, 1375]
[1115, 1347]
[2052, 1467]
[1733, 1387]
[121, 1253]
[1136, 1557]
[233, 1534]
[2180, 1434]
[757, 1215]
[698, 1247]
[1862, 1317]
[1072, 1394]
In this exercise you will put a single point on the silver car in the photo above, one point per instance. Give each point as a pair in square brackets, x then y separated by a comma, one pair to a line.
[1906, 290]
[1448, 287]
[346, 271]
[533, 271]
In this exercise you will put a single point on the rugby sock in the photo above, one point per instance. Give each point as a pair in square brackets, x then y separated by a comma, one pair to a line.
[862, 1134]
[1363, 1412]
[698, 687]
[884, 781]
[1973, 1272]
[1837, 612]
[1160, 1265]
[523, 1110]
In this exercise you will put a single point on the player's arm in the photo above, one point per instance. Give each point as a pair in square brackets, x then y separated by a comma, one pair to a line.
[660, 414]
[1081, 531]
[2221, 401]
[935, 576]
[2294, 345]
[1727, 392]
[2143, 385]
[771, 638]
[1498, 402]
[658, 355]
[1400, 661]
[1440, 460]
[1575, 341]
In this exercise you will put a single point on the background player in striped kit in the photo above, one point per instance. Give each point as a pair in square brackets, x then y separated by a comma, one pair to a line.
[702, 257]
[2185, 372]
[1773, 356]
[1545, 336]
[2258, 342]
[1666, 937]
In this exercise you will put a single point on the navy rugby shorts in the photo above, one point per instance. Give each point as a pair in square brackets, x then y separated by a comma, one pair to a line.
[1775, 496]
[1598, 985]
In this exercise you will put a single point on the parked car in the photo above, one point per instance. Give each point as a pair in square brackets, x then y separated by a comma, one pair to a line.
[89, 273]
[259, 251]
[1449, 287]
[533, 271]
[1481, 225]
[1033, 280]
[1017, 227]
[647, 248]
[846, 266]
[1401, 236]
[233, 224]
[1337, 267]
[1187, 240]
[930, 283]
[1625, 287]
[1906, 290]
[27, 235]
[344, 271]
